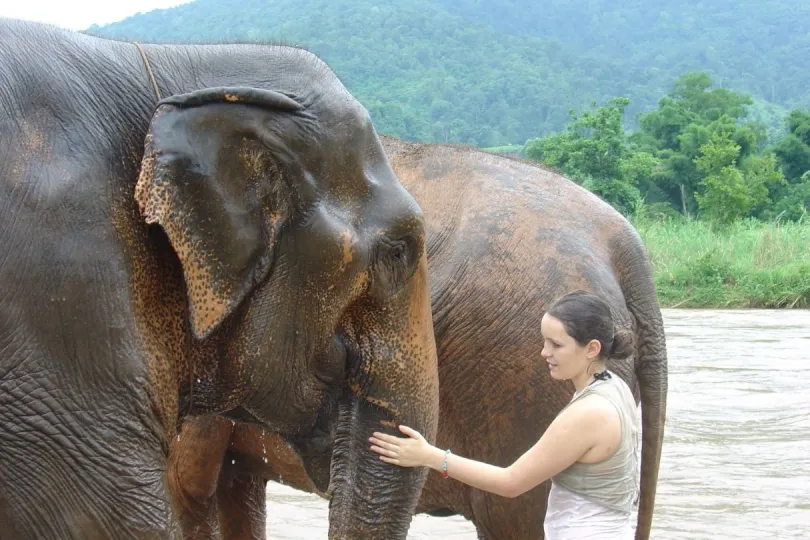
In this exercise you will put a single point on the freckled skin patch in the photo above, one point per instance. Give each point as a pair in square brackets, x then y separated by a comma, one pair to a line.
[347, 247]
[208, 296]
[505, 238]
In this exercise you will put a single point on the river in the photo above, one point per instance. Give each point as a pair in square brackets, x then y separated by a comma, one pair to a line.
[736, 460]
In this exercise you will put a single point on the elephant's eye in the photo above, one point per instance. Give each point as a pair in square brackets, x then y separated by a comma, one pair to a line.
[394, 263]
[398, 251]
[398, 254]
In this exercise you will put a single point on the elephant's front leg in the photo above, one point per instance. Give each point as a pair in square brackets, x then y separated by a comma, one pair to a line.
[241, 505]
[253, 458]
[195, 463]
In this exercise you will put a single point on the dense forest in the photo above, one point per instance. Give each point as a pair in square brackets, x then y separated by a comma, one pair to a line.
[493, 73]
[675, 108]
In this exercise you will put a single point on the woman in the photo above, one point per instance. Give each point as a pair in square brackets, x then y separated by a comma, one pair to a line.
[589, 451]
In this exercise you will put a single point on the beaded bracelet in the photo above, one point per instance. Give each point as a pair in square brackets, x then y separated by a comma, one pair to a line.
[444, 465]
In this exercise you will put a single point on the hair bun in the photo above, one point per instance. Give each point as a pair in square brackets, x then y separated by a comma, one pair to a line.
[623, 344]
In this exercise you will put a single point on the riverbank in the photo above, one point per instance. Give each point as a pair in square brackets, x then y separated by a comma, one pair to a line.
[746, 265]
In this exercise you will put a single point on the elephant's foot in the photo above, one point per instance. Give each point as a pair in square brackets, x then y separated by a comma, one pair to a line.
[199, 523]
[241, 504]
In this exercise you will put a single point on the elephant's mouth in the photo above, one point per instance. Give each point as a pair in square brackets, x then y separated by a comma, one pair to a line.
[241, 414]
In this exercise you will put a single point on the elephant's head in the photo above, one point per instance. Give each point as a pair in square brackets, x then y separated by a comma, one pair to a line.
[306, 281]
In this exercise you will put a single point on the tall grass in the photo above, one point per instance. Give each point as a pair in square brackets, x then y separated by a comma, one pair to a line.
[515, 149]
[749, 264]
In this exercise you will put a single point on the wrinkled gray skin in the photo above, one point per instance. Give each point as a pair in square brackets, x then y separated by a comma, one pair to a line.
[241, 249]
[505, 238]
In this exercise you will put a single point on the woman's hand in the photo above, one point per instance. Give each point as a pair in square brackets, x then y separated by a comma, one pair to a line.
[413, 451]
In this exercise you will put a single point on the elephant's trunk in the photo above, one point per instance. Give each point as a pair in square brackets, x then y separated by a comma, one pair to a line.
[396, 382]
[371, 499]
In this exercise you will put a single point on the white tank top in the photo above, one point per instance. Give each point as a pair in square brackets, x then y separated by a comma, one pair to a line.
[571, 516]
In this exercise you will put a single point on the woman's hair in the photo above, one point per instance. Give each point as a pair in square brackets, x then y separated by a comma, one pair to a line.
[585, 316]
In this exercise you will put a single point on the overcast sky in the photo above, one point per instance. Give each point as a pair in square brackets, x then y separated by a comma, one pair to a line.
[79, 14]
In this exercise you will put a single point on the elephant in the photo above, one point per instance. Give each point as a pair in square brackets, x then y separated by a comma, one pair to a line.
[197, 231]
[505, 238]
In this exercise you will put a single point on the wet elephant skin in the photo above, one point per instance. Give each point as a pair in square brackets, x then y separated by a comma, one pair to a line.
[505, 238]
[235, 245]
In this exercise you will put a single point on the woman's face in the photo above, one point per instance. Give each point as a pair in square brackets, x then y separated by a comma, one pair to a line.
[566, 358]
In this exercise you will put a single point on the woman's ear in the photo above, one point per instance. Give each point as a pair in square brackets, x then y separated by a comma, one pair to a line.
[593, 348]
[209, 179]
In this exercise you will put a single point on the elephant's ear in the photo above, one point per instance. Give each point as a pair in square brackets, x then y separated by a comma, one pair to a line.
[212, 177]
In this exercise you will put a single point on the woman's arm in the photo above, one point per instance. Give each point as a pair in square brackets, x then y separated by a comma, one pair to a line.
[565, 441]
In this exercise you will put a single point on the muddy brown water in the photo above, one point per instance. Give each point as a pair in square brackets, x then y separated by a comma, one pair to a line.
[736, 461]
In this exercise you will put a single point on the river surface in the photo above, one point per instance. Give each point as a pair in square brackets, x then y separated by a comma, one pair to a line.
[736, 460]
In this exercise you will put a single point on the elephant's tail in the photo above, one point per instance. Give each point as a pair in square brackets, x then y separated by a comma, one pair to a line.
[631, 262]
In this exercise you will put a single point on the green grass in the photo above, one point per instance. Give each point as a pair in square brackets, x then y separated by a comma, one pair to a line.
[749, 264]
[508, 149]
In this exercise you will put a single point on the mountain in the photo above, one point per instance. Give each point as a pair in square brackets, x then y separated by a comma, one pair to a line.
[497, 72]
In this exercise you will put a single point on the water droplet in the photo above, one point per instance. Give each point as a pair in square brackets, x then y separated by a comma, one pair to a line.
[178, 436]
[198, 380]
[265, 460]
[233, 462]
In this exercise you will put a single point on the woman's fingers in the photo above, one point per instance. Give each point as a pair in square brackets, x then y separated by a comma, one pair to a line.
[408, 431]
[383, 443]
[385, 452]
[386, 438]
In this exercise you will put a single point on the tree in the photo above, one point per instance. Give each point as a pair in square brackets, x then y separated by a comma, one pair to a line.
[592, 144]
[592, 151]
[692, 92]
[793, 150]
[686, 120]
[794, 157]
[642, 170]
[728, 192]
[762, 177]
[795, 205]
[798, 123]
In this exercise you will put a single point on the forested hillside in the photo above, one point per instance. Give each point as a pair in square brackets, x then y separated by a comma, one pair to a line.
[489, 73]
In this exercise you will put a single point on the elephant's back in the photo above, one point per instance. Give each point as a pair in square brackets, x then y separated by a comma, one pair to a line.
[71, 139]
[467, 186]
[493, 216]
[71, 96]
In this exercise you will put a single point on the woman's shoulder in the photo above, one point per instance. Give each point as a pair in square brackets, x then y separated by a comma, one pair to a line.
[613, 388]
[592, 407]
